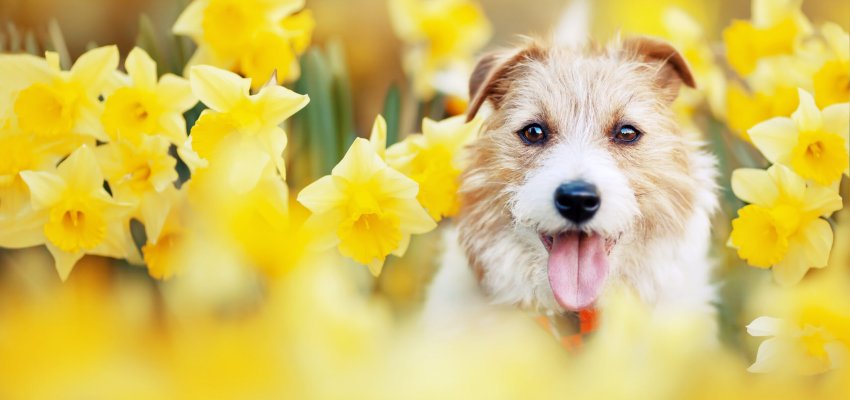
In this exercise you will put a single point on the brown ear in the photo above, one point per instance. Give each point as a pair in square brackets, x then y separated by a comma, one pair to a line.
[656, 50]
[492, 76]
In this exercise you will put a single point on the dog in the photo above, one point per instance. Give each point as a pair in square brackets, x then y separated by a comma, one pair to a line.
[580, 184]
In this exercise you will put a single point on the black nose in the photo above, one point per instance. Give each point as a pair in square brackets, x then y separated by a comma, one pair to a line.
[577, 201]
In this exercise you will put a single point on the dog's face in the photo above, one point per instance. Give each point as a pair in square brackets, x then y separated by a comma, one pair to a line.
[579, 164]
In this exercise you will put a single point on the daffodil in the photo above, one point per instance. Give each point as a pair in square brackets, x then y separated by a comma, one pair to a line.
[364, 207]
[253, 37]
[148, 106]
[832, 80]
[810, 349]
[782, 226]
[75, 213]
[239, 130]
[775, 29]
[49, 102]
[142, 174]
[433, 159]
[442, 37]
[772, 92]
[813, 142]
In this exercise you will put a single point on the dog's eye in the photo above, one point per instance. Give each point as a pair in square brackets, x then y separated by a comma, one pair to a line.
[533, 134]
[626, 134]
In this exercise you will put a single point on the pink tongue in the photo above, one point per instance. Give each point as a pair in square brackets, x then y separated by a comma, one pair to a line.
[577, 266]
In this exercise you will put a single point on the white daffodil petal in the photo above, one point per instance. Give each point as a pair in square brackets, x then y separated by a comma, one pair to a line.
[754, 186]
[775, 138]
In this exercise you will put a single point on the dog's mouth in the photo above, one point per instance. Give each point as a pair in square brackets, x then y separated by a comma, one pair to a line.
[578, 265]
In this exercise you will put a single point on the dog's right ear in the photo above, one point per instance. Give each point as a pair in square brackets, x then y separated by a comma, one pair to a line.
[493, 74]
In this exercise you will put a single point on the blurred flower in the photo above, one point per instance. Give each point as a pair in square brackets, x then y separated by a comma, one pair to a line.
[688, 36]
[141, 174]
[366, 208]
[241, 130]
[49, 102]
[772, 92]
[782, 226]
[148, 106]
[813, 142]
[832, 80]
[442, 38]
[809, 329]
[77, 215]
[253, 37]
[775, 29]
[433, 160]
[163, 253]
[816, 344]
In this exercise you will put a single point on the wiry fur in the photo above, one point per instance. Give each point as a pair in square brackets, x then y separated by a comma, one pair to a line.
[657, 195]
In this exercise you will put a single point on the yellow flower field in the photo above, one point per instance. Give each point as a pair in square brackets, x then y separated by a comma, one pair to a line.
[250, 198]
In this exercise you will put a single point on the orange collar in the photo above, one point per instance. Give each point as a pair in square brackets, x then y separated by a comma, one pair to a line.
[571, 328]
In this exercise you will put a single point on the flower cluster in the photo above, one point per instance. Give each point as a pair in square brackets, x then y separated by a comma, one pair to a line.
[252, 37]
[88, 150]
[792, 103]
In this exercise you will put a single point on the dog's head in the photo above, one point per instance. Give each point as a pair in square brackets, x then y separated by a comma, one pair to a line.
[579, 163]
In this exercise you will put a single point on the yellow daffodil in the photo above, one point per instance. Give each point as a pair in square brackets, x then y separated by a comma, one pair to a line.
[832, 80]
[141, 174]
[49, 102]
[239, 129]
[253, 37]
[775, 29]
[433, 160]
[148, 106]
[772, 92]
[813, 142]
[364, 207]
[782, 226]
[442, 37]
[809, 330]
[163, 252]
[77, 216]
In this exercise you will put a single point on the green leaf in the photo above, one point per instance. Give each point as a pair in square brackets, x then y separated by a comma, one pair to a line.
[147, 41]
[14, 38]
[56, 43]
[392, 113]
[342, 98]
[319, 117]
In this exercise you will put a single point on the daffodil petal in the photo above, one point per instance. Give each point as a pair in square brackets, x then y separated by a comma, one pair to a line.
[378, 136]
[142, 68]
[764, 326]
[95, 66]
[46, 188]
[278, 103]
[220, 90]
[173, 128]
[789, 183]
[81, 170]
[754, 186]
[249, 162]
[154, 208]
[815, 238]
[178, 91]
[321, 195]
[274, 141]
[359, 162]
[836, 119]
[775, 138]
[321, 229]
[23, 230]
[767, 356]
[402, 246]
[807, 116]
[27, 69]
[821, 201]
[397, 185]
[375, 267]
[793, 267]
[413, 218]
[189, 21]
[64, 262]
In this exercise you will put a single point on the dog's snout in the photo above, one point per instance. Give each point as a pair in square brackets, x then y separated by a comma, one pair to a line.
[577, 201]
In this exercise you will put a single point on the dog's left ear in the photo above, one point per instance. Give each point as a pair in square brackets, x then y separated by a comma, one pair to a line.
[674, 69]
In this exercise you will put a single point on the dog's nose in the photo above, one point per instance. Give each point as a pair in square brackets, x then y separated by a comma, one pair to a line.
[577, 201]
